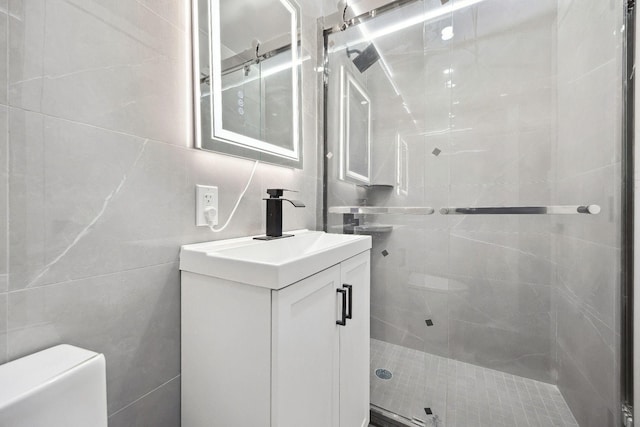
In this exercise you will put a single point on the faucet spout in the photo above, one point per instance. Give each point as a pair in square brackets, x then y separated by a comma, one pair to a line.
[296, 203]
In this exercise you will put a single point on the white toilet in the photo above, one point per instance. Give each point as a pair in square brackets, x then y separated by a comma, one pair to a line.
[63, 386]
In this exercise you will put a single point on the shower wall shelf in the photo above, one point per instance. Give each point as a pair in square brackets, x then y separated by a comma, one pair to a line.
[381, 210]
[368, 229]
[376, 186]
[523, 210]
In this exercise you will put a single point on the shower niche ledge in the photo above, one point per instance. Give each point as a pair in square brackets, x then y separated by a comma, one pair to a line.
[276, 333]
[368, 228]
[359, 225]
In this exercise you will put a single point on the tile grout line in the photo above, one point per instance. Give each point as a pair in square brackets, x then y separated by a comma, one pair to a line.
[112, 273]
[143, 396]
[463, 383]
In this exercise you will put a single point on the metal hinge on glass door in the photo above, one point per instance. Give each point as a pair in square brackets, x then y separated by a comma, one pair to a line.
[627, 415]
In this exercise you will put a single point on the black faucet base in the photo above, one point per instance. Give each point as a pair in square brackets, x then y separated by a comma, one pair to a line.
[272, 237]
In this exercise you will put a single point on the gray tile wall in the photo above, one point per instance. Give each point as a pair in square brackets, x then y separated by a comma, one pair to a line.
[485, 100]
[4, 174]
[527, 112]
[97, 176]
[586, 292]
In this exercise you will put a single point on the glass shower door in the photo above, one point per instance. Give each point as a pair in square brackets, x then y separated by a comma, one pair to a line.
[410, 244]
[478, 143]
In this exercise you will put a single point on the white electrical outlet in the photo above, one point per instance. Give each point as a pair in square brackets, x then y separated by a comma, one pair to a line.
[206, 205]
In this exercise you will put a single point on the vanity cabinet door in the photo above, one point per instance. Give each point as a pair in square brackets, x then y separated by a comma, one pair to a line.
[305, 352]
[354, 344]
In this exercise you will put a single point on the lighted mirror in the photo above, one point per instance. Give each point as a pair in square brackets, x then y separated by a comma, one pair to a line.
[355, 126]
[402, 166]
[247, 60]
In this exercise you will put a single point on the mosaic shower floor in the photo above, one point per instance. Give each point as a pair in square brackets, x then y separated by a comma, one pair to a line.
[461, 394]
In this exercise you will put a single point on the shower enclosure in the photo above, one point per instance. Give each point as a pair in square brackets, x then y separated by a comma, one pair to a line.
[481, 144]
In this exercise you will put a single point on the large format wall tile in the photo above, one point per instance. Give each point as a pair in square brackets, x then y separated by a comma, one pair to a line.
[588, 36]
[585, 402]
[590, 98]
[4, 65]
[599, 186]
[95, 201]
[587, 294]
[81, 201]
[525, 350]
[498, 304]
[172, 11]
[101, 171]
[132, 317]
[4, 206]
[3, 328]
[478, 116]
[160, 408]
[590, 345]
[119, 66]
[590, 272]
[501, 256]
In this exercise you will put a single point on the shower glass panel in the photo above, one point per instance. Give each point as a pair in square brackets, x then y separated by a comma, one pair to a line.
[485, 317]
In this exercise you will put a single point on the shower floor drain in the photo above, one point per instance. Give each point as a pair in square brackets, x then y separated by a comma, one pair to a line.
[383, 374]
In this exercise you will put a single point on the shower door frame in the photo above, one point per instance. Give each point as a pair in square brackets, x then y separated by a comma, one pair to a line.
[340, 21]
[628, 213]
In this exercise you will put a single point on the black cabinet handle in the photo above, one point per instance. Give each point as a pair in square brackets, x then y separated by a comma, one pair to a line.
[350, 290]
[343, 322]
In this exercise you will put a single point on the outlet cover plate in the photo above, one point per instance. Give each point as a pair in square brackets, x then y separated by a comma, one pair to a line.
[206, 197]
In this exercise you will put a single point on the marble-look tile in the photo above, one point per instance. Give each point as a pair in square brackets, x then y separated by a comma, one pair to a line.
[589, 409]
[589, 344]
[4, 357]
[589, 273]
[590, 99]
[4, 207]
[178, 13]
[132, 317]
[231, 176]
[159, 408]
[512, 158]
[587, 247]
[120, 66]
[588, 36]
[525, 351]
[411, 321]
[499, 304]
[4, 44]
[501, 256]
[601, 187]
[93, 202]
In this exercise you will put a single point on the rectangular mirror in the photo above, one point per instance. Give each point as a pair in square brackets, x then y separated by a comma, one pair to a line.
[402, 166]
[247, 88]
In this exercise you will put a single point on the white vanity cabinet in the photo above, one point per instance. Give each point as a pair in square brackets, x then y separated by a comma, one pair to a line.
[278, 356]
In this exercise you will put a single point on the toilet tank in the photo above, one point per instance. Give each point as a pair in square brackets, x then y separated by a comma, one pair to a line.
[63, 386]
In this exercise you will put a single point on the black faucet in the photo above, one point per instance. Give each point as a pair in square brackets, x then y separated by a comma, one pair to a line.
[274, 214]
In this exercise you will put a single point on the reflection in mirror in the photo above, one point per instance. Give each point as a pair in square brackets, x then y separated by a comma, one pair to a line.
[249, 68]
[402, 166]
[355, 134]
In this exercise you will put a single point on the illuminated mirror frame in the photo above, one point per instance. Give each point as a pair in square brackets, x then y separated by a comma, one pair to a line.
[347, 84]
[402, 166]
[211, 135]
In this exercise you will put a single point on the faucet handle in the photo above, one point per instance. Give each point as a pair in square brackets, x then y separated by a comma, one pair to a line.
[278, 192]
